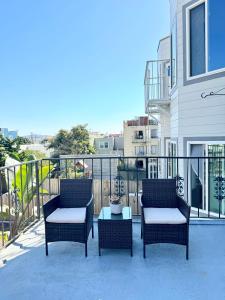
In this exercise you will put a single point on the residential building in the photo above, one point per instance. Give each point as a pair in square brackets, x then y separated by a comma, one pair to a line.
[191, 66]
[111, 144]
[141, 139]
[11, 134]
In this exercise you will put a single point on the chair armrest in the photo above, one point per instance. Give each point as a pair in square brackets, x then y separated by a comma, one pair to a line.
[90, 209]
[50, 206]
[184, 207]
[142, 211]
[90, 202]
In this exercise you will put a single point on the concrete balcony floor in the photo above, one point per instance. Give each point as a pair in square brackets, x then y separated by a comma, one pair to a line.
[67, 274]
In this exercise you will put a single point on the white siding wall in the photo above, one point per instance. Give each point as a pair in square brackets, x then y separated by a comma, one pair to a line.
[190, 115]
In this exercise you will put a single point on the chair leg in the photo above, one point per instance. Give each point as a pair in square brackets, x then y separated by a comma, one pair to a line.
[141, 234]
[86, 249]
[92, 230]
[187, 252]
[46, 248]
[144, 250]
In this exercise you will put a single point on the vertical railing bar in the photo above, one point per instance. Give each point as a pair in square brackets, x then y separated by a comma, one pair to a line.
[188, 181]
[27, 189]
[58, 162]
[74, 168]
[3, 228]
[49, 181]
[198, 181]
[220, 187]
[21, 186]
[110, 177]
[9, 203]
[101, 182]
[209, 189]
[146, 170]
[137, 186]
[42, 189]
[37, 190]
[167, 168]
[128, 182]
[83, 169]
[32, 190]
[157, 167]
[66, 168]
[92, 168]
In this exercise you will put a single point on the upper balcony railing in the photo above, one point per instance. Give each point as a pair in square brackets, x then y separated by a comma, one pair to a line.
[25, 187]
[157, 81]
[139, 139]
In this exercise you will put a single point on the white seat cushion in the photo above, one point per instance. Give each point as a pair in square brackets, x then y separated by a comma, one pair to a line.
[67, 215]
[163, 216]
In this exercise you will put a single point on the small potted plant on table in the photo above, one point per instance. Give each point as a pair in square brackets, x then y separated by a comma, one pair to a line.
[115, 204]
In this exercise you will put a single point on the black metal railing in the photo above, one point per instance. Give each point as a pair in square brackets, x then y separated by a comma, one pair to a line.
[25, 187]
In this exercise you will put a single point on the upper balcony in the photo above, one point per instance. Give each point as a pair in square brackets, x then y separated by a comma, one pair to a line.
[157, 84]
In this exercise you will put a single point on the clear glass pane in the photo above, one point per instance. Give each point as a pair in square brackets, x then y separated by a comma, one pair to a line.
[216, 43]
[197, 40]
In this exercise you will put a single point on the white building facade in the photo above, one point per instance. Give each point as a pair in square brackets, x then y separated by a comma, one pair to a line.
[192, 123]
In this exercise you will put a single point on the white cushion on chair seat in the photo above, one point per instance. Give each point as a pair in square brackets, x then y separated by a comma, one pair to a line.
[67, 215]
[155, 215]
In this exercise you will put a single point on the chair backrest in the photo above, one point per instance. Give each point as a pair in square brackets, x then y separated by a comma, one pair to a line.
[75, 192]
[159, 193]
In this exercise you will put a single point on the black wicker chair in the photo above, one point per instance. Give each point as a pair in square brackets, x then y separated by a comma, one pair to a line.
[75, 194]
[161, 193]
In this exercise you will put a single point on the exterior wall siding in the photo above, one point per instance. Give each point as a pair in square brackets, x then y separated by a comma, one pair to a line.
[191, 116]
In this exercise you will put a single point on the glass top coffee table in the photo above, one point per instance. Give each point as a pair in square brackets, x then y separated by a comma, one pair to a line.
[115, 231]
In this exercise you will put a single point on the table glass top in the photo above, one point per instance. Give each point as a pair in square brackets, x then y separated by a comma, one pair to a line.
[106, 214]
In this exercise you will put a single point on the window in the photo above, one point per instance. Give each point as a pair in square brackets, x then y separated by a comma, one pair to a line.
[216, 34]
[154, 149]
[197, 40]
[174, 54]
[104, 145]
[139, 135]
[206, 48]
[139, 150]
[139, 164]
[154, 133]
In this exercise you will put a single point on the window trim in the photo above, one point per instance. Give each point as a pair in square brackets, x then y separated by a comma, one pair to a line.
[173, 84]
[187, 30]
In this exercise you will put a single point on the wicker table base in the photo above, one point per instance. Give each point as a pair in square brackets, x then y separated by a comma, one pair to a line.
[115, 231]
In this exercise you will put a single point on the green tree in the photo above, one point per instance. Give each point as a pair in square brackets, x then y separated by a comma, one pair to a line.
[20, 140]
[75, 141]
[11, 148]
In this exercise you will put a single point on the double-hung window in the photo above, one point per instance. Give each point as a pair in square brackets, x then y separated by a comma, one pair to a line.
[205, 37]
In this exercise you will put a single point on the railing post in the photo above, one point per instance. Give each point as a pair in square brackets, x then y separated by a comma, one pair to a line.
[147, 168]
[37, 190]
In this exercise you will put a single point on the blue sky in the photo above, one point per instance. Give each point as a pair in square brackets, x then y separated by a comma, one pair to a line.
[69, 62]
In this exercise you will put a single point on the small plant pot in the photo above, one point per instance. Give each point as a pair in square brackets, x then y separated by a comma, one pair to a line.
[116, 209]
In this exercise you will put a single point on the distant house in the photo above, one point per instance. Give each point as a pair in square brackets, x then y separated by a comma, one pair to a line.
[112, 144]
[141, 139]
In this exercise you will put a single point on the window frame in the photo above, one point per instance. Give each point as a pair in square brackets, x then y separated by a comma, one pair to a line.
[188, 56]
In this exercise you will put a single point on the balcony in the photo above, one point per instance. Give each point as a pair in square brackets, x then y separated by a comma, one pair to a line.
[27, 273]
[157, 85]
[139, 139]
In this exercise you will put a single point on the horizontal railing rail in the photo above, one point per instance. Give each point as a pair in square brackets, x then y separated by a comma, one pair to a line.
[26, 186]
